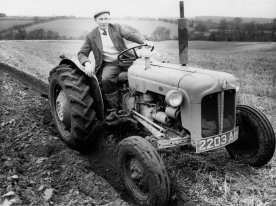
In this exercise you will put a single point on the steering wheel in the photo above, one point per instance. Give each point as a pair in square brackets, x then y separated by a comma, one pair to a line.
[131, 59]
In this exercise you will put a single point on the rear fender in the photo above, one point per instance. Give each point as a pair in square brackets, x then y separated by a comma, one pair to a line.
[68, 62]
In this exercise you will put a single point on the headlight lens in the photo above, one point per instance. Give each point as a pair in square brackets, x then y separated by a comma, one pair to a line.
[174, 98]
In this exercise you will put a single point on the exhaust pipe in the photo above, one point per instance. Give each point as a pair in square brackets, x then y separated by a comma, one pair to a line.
[182, 36]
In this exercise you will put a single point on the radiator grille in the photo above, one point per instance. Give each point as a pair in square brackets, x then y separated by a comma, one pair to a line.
[218, 113]
[229, 117]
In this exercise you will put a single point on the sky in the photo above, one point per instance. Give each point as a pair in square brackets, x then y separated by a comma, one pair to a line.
[140, 8]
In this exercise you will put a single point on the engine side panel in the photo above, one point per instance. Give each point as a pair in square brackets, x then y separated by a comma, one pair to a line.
[156, 79]
[195, 82]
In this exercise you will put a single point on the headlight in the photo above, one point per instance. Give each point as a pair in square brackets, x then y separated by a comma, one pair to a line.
[174, 98]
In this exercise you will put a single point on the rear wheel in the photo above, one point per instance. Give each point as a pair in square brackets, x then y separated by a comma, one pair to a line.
[143, 171]
[256, 143]
[72, 106]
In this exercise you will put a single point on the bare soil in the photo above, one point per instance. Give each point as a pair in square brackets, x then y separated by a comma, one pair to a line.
[33, 160]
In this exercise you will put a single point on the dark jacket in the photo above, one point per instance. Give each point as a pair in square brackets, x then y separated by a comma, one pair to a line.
[93, 43]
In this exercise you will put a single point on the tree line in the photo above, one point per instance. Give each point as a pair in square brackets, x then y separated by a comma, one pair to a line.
[18, 32]
[22, 34]
[232, 30]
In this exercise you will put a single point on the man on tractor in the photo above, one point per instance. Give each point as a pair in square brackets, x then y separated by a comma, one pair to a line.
[106, 42]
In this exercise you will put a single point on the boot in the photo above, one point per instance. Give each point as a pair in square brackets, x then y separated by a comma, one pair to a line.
[113, 101]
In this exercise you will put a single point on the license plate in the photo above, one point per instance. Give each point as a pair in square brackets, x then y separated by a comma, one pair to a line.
[217, 141]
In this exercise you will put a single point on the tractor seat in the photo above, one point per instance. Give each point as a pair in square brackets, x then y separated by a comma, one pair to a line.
[122, 77]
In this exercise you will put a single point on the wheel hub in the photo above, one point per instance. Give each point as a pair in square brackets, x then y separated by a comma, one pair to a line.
[136, 169]
[138, 176]
[63, 109]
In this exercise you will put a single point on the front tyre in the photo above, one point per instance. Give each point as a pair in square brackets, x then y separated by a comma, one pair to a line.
[72, 106]
[143, 171]
[256, 143]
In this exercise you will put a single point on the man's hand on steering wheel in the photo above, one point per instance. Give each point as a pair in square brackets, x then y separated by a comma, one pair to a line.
[149, 43]
[133, 49]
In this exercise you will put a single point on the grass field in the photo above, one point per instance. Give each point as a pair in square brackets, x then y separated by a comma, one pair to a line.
[9, 23]
[78, 27]
[210, 178]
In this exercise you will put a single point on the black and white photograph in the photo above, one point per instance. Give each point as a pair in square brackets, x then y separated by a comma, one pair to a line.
[137, 103]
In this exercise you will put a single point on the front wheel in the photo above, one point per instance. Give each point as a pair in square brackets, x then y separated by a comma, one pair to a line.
[256, 143]
[143, 171]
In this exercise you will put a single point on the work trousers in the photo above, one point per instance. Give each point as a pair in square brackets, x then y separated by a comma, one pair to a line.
[109, 75]
[111, 70]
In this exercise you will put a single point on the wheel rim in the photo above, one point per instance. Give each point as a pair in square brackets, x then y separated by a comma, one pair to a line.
[136, 178]
[62, 114]
[63, 110]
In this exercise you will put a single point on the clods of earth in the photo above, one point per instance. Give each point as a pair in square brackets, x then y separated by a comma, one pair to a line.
[37, 168]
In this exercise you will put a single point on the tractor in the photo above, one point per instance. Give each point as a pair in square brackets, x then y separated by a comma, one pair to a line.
[178, 104]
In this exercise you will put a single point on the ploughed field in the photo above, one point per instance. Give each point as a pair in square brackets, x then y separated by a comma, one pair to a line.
[45, 167]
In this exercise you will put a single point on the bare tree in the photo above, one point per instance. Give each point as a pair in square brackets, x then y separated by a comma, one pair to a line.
[236, 28]
[161, 34]
[273, 29]
[222, 28]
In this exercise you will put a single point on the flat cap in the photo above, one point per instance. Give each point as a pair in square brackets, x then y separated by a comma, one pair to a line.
[98, 13]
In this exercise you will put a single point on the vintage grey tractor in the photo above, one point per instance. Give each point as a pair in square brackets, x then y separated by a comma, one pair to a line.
[178, 104]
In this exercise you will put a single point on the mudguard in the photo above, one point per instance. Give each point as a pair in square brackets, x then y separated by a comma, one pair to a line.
[94, 88]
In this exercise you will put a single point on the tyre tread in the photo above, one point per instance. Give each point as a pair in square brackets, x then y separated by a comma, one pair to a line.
[83, 115]
[149, 156]
[267, 146]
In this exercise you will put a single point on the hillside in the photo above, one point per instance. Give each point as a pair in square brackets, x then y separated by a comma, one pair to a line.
[78, 27]
[6, 23]
[200, 28]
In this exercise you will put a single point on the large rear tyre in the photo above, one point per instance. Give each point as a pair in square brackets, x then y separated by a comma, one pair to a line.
[72, 106]
[143, 171]
[256, 143]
